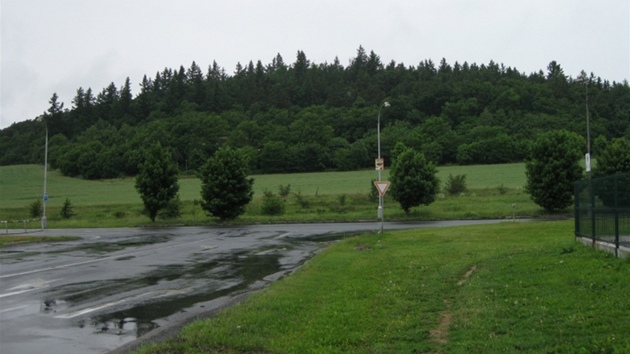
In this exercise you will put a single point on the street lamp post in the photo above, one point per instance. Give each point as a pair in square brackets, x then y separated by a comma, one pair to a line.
[591, 192]
[45, 196]
[584, 80]
[380, 212]
[588, 133]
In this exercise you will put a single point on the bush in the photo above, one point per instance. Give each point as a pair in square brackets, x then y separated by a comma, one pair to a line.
[455, 184]
[272, 204]
[36, 208]
[284, 191]
[342, 199]
[66, 210]
[373, 195]
[301, 200]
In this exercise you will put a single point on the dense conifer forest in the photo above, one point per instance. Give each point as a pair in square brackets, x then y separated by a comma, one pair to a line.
[305, 116]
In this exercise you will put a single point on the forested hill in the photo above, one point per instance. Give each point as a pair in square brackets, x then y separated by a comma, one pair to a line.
[306, 116]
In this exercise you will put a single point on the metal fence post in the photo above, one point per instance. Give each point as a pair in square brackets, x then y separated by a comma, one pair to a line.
[616, 213]
[591, 196]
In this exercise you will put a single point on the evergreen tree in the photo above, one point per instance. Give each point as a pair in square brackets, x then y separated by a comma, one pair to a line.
[53, 116]
[553, 166]
[126, 97]
[413, 179]
[157, 180]
[225, 187]
[66, 210]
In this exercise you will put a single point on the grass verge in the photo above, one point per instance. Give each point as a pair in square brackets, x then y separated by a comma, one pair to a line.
[511, 287]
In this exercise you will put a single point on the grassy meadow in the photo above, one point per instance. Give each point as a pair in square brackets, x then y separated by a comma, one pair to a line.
[515, 287]
[325, 196]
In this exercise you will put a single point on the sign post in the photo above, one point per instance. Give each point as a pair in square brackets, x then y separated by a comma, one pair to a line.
[379, 164]
[381, 187]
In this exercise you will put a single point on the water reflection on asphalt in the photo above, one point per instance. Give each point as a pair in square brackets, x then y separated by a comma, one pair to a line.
[92, 297]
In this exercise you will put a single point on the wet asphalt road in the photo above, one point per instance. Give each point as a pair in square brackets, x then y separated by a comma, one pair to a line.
[117, 285]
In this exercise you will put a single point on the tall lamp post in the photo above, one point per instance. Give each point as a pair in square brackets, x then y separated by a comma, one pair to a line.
[584, 80]
[380, 213]
[591, 194]
[45, 197]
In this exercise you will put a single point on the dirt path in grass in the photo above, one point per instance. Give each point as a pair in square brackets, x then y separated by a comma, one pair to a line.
[440, 333]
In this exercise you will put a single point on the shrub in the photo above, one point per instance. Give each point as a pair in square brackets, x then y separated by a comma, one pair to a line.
[36, 208]
[66, 210]
[373, 195]
[455, 184]
[284, 191]
[502, 189]
[301, 200]
[272, 204]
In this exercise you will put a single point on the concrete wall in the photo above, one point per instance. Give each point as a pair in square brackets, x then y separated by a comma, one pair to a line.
[622, 252]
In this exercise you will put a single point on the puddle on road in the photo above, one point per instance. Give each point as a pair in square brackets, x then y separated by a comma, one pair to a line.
[325, 237]
[12, 256]
[106, 247]
[158, 294]
[121, 310]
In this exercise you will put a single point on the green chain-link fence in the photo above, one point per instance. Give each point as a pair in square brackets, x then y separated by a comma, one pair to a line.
[602, 210]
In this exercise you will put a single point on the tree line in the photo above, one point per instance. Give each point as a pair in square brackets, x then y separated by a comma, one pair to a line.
[304, 116]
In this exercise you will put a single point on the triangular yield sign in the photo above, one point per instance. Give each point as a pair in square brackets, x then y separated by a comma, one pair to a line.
[381, 186]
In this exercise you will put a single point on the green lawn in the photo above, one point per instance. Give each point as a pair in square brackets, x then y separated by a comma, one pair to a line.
[328, 196]
[511, 287]
[21, 184]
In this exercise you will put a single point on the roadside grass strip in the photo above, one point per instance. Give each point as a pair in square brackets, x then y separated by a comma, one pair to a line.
[510, 287]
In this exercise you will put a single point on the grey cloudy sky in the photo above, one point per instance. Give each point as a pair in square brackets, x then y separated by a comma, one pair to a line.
[58, 46]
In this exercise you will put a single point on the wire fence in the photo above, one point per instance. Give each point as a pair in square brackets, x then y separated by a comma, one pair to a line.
[602, 211]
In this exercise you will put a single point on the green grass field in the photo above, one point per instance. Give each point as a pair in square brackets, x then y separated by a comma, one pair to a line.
[331, 196]
[510, 287]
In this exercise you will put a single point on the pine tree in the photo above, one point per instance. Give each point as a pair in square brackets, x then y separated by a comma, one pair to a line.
[66, 210]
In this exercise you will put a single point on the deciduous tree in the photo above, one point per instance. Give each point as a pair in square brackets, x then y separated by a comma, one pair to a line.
[413, 179]
[157, 180]
[225, 187]
[553, 166]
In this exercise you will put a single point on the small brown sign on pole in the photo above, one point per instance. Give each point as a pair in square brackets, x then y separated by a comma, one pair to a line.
[379, 163]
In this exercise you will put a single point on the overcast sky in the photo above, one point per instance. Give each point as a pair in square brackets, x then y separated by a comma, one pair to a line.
[50, 46]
